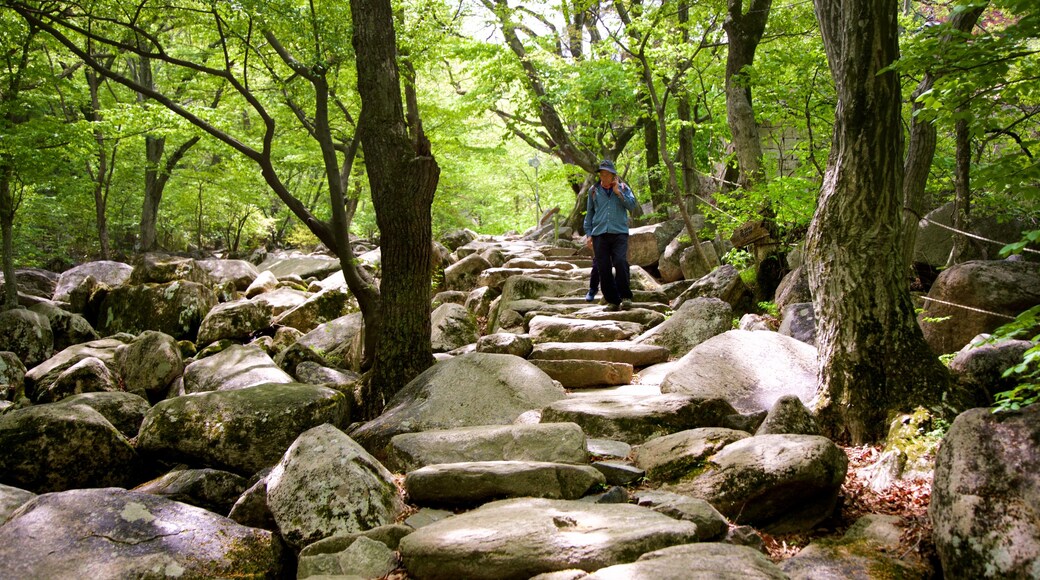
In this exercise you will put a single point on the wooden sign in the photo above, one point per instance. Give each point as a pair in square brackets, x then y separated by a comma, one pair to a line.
[749, 233]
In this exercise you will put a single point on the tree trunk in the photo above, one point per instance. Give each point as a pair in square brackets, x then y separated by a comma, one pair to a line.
[658, 195]
[921, 150]
[403, 177]
[7, 210]
[872, 353]
[153, 147]
[744, 32]
[962, 189]
[102, 175]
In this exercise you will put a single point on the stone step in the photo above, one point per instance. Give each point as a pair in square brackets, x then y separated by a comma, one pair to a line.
[577, 374]
[552, 328]
[477, 482]
[637, 355]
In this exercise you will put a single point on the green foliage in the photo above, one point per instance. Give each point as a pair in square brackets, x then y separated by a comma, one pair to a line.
[1028, 238]
[769, 308]
[739, 259]
[1027, 371]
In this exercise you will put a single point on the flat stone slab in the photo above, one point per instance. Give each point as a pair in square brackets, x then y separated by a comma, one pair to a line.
[637, 355]
[672, 456]
[553, 442]
[551, 328]
[635, 418]
[575, 374]
[478, 482]
[712, 560]
[520, 538]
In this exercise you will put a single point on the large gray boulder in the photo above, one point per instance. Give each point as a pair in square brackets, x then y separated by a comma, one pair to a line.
[527, 287]
[175, 308]
[149, 364]
[696, 321]
[74, 281]
[552, 442]
[27, 334]
[326, 484]
[683, 562]
[668, 265]
[12, 376]
[992, 291]
[158, 268]
[790, 416]
[933, 242]
[338, 343]
[113, 534]
[242, 430]
[89, 375]
[638, 418]
[236, 320]
[799, 322]
[236, 367]
[305, 266]
[985, 507]
[125, 411]
[66, 328]
[556, 329]
[750, 369]
[281, 299]
[59, 447]
[635, 354]
[723, 283]
[210, 489]
[318, 309]
[793, 289]
[978, 370]
[463, 275]
[41, 377]
[691, 265]
[33, 282]
[452, 326]
[647, 243]
[506, 343]
[240, 273]
[468, 390]
[519, 538]
[577, 374]
[711, 525]
[12, 498]
[779, 483]
[671, 457]
[477, 482]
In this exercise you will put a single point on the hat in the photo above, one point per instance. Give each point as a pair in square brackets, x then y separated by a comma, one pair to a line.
[607, 165]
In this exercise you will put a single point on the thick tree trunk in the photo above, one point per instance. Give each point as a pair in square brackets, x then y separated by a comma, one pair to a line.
[154, 147]
[744, 32]
[7, 210]
[962, 190]
[921, 149]
[873, 355]
[403, 177]
[101, 176]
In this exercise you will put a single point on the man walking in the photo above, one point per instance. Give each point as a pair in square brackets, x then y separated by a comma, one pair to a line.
[606, 225]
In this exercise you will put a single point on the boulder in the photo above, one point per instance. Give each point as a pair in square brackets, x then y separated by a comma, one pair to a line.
[236, 320]
[789, 415]
[933, 242]
[362, 558]
[242, 430]
[468, 390]
[326, 484]
[113, 533]
[778, 483]
[59, 447]
[338, 343]
[992, 291]
[264, 282]
[251, 509]
[555, 329]
[690, 263]
[635, 354]
[452, 327]
[793, 289]
[156, 268]
[669, 265]
[316, 310]
[870, 548]
[463, 275]
[637, 418]
[450, 296]
[479, 301]
[712, 560]
[89, 375]
[283, 265]
[12, 377]
[125, 411]
[74, 282]
[239, 273]
[66, 328]
[281, 299]
[455, 239]
[26, 334]
[149, 364]
[313, 373]
[647, 243]
[576, 374]
[32, 282]
[12, 498]
[978, 370]
[519, 538]
[477, 482]
[506, 343]
[41, 378]
[723, 283]
[671, 457]
[696, 321]
[799, 322]
[176, 308]
[985, 507]
[547, 442]
[236, 367]
[750, 369]
[527, 287]
[711, 525]
[209, 489]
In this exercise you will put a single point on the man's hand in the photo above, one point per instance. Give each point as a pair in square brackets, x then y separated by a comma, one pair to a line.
[588, 242]
[617, 189]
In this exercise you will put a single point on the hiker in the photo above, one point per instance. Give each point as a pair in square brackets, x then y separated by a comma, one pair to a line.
[606, 225]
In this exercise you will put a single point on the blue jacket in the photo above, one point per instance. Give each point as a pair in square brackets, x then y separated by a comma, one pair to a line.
[605, 213]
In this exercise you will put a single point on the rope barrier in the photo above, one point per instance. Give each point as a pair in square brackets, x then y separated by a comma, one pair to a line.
[963, 233]
[973, 309]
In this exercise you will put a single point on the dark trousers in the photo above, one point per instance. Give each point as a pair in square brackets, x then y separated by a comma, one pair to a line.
[611, 258]
[594, 277]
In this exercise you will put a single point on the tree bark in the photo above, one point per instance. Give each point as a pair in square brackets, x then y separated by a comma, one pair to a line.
[7, 211]
[921, 150]
[872, 353]
[103, 174]
[962, 189]
[744, 32]
[403, 177]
